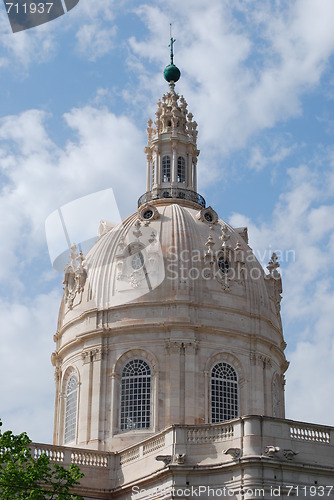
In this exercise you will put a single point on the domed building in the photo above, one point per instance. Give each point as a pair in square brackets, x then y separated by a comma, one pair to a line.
[169, 351]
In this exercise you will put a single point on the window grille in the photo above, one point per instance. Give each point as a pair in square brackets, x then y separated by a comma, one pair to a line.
[224, 393]
[181, 169]
[223, 265]
[165, 169]
[136, 396]
[71, 409]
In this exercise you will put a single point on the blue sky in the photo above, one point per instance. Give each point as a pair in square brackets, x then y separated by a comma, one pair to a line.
[75, 97]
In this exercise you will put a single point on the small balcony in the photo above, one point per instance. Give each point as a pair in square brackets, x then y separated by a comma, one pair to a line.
[174, 193]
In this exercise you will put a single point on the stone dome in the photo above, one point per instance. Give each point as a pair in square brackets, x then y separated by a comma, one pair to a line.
[168, 252]
[165, 308]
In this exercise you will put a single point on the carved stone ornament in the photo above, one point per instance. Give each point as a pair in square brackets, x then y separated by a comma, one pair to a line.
[179, 458]
[260, 359]
[166, 459]
[225, 237]
[175, 346]
[148, 212]
[290, 454]
[149, 130]
[172, 116]
[225, 265]
[274, 283]
[90, 355]
[234, 452]
[104, 228]
[74, 277]
[55, 359]
[138, 261]
[207, 215]
[271, 451]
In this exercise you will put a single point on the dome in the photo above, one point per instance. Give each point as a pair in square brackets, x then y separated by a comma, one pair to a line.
[171, 251]
[165, 308]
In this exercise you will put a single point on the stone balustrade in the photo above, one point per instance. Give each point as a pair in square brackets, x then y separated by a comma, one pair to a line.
[193, 445]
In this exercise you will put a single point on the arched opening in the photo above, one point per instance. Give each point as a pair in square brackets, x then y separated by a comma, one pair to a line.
[135, 396]
[71, 407]
[153, 174]
[181, 169]
[165, 169]
[224, 393]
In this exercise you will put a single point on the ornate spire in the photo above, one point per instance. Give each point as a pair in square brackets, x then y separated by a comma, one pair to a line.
[172, 73]
[171, 45]
[171, 150]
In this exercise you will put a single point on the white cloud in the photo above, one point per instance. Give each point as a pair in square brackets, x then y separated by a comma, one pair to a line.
[41, 176]
[241, 79]
[94, 41]
[27, 388]
[19, 50]
[302, 230]
[259, 159]
[92, 24]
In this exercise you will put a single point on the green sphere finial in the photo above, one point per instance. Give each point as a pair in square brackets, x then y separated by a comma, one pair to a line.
[172, 72]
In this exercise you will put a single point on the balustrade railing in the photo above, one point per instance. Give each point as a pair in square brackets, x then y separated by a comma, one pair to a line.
[65, 455]
[310, 433]
[172, 193]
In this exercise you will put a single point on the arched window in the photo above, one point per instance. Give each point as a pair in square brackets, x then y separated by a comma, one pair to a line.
[71, 409]
[166, 169]
[136, 395]
[224, 393]
[181, 169]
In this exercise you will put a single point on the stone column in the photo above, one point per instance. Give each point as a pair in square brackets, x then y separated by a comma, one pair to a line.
[173, 408]
[149, 172]
[95, 406]
[83, 408]
[114, 404]
[206, 398]
[191, 402]
[189, 179]
[174, 166]
[158, 169]
[256, 403]
[57, 412]
[90, 404]
[195, 174]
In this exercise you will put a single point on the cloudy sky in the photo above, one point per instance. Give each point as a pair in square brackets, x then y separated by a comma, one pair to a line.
[75, 97]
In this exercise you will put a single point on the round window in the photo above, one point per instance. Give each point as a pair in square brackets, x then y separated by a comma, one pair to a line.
[137, 261]
[208, 217]
[223, 265]
[148, 214]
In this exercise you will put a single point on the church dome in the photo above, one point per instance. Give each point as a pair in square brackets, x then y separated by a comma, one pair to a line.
[170, 251]
[169, 318]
